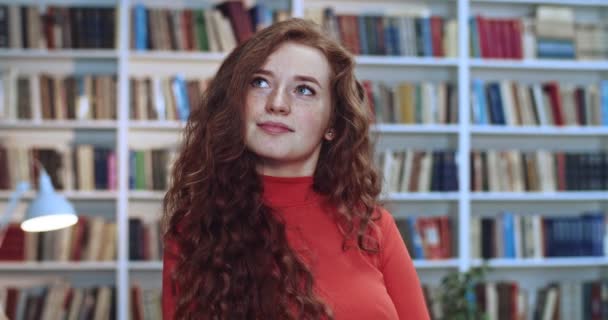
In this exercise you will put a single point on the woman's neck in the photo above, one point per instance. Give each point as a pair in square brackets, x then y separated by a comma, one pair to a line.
[286, 168]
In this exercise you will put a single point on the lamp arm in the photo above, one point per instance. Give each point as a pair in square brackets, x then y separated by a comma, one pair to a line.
[5, 219]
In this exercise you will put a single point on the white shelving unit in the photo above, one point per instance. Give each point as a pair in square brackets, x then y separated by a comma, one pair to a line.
[462, 136]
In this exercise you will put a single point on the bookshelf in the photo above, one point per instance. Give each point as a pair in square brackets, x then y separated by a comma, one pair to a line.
[462, 136]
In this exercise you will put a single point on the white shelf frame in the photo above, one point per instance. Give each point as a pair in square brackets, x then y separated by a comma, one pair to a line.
[35, 266]
[566, 262]
[574, 3]
[463, 65]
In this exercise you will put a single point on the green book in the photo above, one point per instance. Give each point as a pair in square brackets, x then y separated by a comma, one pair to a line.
[140, 171]
[418, 101]
[201, 31]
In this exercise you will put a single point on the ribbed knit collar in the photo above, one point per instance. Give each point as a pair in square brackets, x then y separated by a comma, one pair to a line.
[289, 191]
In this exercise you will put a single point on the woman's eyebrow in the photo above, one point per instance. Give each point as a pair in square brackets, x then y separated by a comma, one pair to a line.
[308, 79]
[296, 77]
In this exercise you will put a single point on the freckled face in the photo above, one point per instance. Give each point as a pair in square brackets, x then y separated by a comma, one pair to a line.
[287, 111]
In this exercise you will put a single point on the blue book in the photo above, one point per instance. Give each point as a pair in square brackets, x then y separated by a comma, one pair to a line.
[395, 36]
[141, 22]
[416, 239]
[546, 48]
[362, 35]
[508, 234]
[496, 109]
[480, 107]
[604, 101]
[427, 37]
[132, 169]
[181, 97]
[475, 50]
[261, 16]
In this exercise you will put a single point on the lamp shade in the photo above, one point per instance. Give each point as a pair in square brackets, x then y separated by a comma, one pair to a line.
[49, 210]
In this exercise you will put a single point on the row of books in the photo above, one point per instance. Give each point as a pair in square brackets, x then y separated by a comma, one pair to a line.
[92, 238]
[150, 169]
[427, 238]
[569, 300]
[418, 170]
[212, 29]
[541, 170]
[57, 27]
[507, 300]
[552, 33]
[145, 303]
[155, 98]
[515, 236]
[413, 103]
[549, 104]
[564, 300]
[58, 300]
[79, 167]
[501, 300]
[415, 33]
[145, 240]
[57, 97]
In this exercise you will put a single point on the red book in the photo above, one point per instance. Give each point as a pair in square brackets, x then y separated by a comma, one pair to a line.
[354, 33]
[482, 29]
[13, 245]
[514, 290]
[501, 39]
[596, 301]
[431, 239]
[437, 36]
[5, 182]
[239, 19]
[579, 102]
[79, 239]
[446, 237]
[187, 29]
[12, 298]
[516, 38]
[112, 169]
[498, 41]
[135, 299]
[49, 21]
[552, 89]
[508, 45]
[367, 85]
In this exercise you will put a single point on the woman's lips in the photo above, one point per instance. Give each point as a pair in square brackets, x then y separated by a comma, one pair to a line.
[274, 127]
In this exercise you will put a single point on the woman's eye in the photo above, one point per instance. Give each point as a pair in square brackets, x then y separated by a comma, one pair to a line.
[305, 90]
[259, 83]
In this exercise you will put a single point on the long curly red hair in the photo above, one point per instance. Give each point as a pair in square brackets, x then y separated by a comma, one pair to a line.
[231, 243]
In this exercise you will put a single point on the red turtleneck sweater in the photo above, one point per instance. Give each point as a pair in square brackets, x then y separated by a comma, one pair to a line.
[355, 285]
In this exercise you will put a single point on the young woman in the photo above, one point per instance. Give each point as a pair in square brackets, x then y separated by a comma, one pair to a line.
[272, 212]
